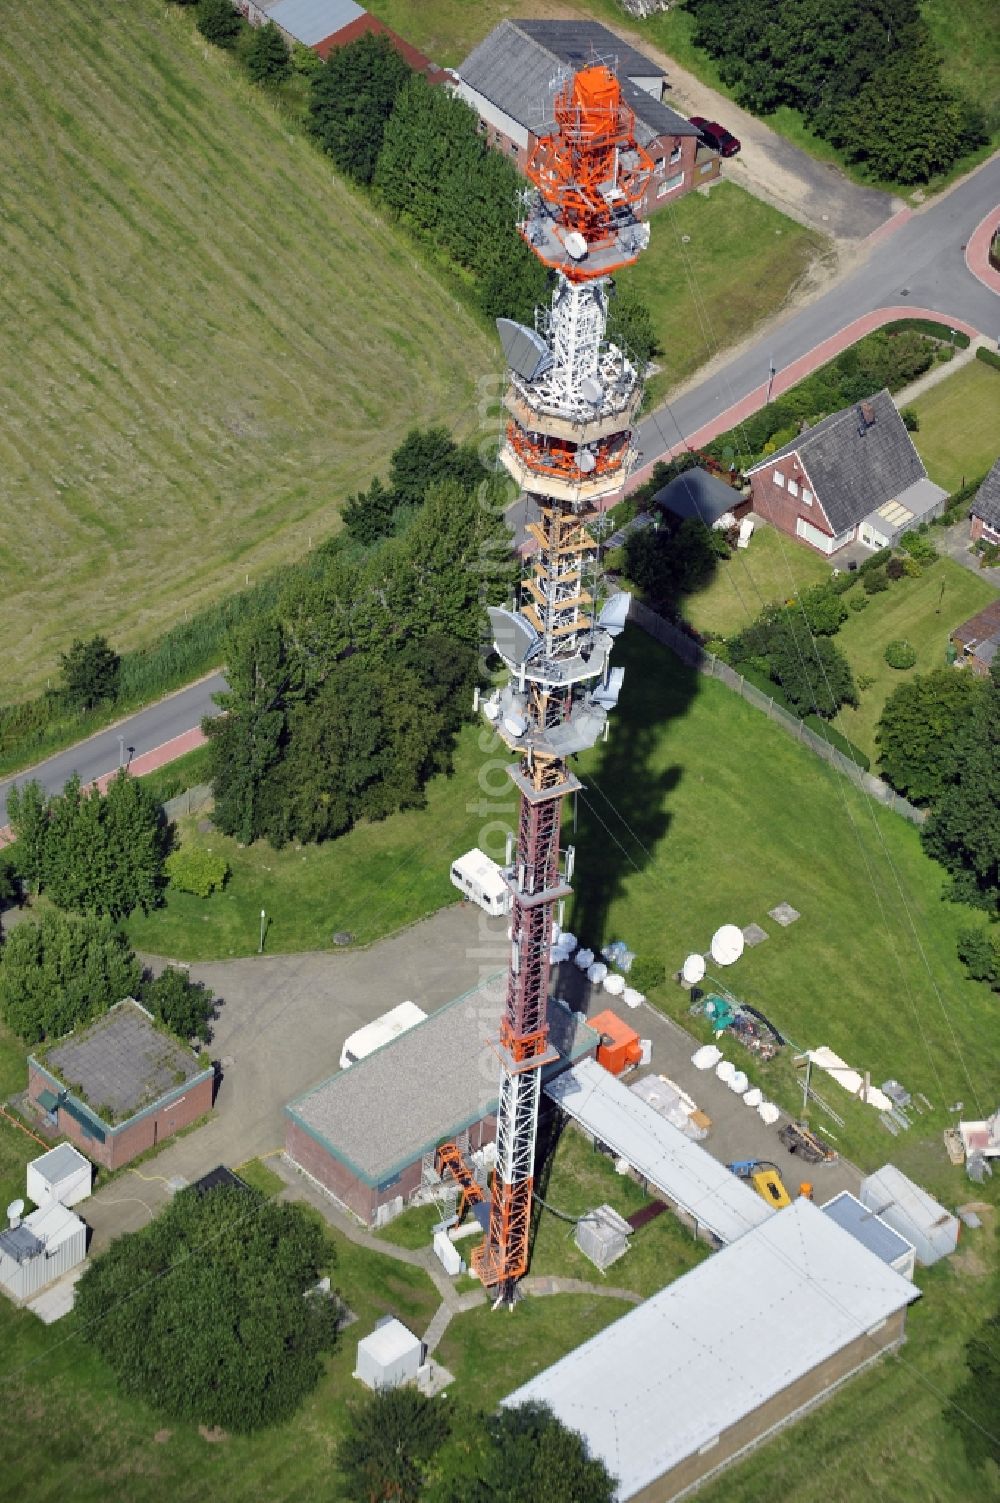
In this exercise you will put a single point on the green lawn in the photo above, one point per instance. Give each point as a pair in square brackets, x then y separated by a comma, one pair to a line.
[370, 883]
[580, 1179]
[698, 812]
[261, 1177]
[68, 1431]
[739, 266]
[412, 1229]
[959, 434]
[919, 611]
[209, 340]
[491, 1351]
[966, 35]
[774, 567]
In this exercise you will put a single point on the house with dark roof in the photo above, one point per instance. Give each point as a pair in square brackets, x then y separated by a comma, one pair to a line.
[854, 477]
[512, 77]
[697, 493]
[986, 509]
[978, 640]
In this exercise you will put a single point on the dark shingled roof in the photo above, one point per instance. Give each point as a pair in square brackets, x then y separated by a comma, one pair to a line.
[696, 493]
[855, 466]
[987, 502]
[516, 68]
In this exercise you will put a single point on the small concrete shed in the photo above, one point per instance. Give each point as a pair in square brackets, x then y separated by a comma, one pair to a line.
[39, 1249]
[63, 1174]
[911, 1212]
[391, 1355]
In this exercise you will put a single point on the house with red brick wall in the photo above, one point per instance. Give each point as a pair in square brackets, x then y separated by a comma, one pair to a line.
[326, 24]
[119, 1085]
[978, 640]
[512, 77]
[854, 477]
[986, 509]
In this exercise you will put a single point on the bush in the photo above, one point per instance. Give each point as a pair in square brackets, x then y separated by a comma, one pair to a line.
[219, 22]
[894, 569]
[859, 602]
[265, 56]
[194, 869]
[911, 421]
[864, 681]
[900, 654]
[979, 951]
[919, 546]
[646, 973]
[988, 357]
[183, 1006]
[878, 558]
[911, 568]
[844, 581]
[875, 581]
[90, 673]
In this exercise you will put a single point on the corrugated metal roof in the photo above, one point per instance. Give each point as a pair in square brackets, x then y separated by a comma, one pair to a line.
[869, 1229]
[890, 1187]
[672, 1375]
[678, 1167]
[434, 1080]
[312, 21]
[521, 64]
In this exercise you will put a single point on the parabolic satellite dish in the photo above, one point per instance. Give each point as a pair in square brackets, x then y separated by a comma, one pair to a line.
[693, 969]
[14, 1211]
[576, 245]
[585, 461]
[727, 944]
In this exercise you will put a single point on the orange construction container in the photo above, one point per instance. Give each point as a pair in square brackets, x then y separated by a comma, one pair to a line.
[619, 1046]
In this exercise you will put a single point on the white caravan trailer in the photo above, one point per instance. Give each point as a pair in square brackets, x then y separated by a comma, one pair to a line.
[480, 879]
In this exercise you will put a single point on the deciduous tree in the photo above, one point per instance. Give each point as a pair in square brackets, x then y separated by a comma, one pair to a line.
[185, 1007]
[209, 1313]
[922, 730]
[351, 99]
[265, 56]
[392, 1437]
[963, 832]
[62, 971]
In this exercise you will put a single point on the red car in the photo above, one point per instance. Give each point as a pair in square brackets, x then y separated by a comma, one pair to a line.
[716, 136]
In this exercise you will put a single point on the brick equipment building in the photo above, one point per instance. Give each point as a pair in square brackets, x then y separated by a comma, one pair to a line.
[120, 1085]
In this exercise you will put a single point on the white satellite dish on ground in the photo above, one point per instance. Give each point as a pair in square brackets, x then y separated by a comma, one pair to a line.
[727, 944]
[14, 1213]
[693, 969]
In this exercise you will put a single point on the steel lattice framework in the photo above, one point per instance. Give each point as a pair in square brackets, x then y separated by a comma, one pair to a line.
[571, 399]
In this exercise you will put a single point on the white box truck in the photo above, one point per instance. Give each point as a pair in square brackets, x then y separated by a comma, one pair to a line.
[384, 1029]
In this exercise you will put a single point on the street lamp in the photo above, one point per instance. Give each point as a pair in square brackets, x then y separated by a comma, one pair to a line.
[771, 373]
[263, 920]
[121, 752]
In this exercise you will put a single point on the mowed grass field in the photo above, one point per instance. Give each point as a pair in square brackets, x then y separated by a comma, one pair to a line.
[209, 340]
[959, 434]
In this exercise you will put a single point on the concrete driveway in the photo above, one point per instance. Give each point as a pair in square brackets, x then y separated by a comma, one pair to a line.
[280, 1030]
[954, 541]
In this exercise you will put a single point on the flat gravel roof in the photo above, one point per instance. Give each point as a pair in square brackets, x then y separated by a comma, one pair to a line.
[387, 1110]
[121, 1063]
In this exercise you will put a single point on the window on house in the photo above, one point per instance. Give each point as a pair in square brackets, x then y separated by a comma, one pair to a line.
[675, 155]
[671, 185]
[658, 165]
[807, 496]
[793, 487]
[778, 477]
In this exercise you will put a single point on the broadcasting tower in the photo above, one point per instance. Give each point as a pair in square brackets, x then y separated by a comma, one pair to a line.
[571, 399]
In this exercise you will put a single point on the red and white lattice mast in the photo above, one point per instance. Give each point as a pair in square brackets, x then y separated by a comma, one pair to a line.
[571, 399]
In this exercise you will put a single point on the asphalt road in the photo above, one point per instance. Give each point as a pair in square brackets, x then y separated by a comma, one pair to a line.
[143, 732]
[921, 265]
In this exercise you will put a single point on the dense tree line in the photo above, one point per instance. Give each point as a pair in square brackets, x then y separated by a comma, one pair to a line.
[791, 644]
[404, 1446]
[91, 853]
[210, 1313]
[64, 970]
[422, 152]
[862, 73]
[939, 740]
[344, 699]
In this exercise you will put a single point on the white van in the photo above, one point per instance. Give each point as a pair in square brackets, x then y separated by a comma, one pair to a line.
[480, 879]
[384, 1029]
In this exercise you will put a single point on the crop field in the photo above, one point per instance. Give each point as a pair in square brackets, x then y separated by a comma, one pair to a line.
[209, 340]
